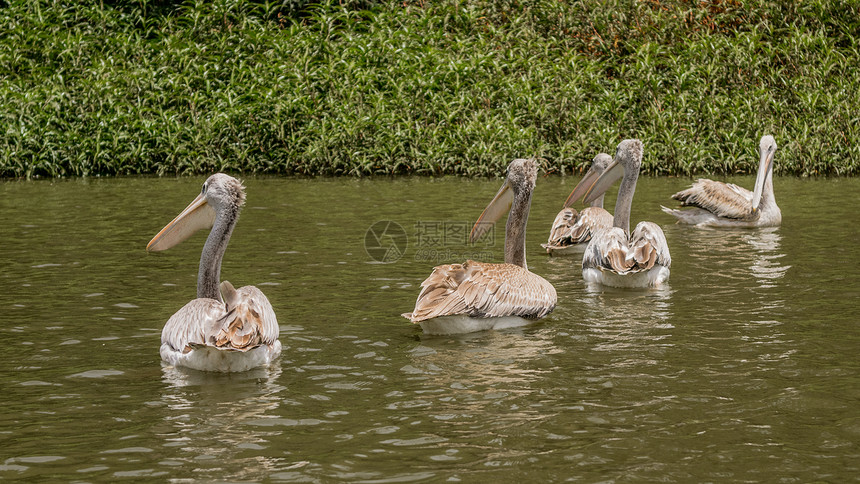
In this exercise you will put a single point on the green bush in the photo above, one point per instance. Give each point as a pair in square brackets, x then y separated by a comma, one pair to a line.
[361, 87]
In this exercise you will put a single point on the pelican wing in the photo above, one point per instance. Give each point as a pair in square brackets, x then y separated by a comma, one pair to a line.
[587, 223]
[721, 199]
[648, 247]
[571, 228]
[249, 320]
[560, 230]
[189, 326]
[483, 290]
[607, 251]
[611, 250]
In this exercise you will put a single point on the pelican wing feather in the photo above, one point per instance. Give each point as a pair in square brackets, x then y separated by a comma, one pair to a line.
[608, 251]
[571, 228]
[189, 326]
[588, 222]
[249, 320]
[483, 290]
[246, 321]
[611, 250]
[722, 199]
[648, 247]
[560, 231]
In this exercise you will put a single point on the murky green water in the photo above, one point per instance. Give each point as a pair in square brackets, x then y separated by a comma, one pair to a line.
[745, 368]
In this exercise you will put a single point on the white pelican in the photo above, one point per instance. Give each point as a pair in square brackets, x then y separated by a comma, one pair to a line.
[475, 296]
[615, 257]
[236, 333]
[719, 204]
[571, 231]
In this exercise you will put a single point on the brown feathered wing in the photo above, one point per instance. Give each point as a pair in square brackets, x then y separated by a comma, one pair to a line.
[559, 234]
[249, 321]
[483, 290]
[722, 199]
[587, 223]
[612, 250]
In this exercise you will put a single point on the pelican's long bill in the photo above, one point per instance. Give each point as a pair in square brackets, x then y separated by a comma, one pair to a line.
[613, 172]
[765, 164]
[197, 215]
[582, 187]
[499, 206]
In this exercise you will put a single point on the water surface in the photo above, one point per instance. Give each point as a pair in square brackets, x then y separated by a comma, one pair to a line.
[744, 368]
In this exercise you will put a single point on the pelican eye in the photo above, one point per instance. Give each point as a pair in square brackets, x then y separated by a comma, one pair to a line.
[203, 191]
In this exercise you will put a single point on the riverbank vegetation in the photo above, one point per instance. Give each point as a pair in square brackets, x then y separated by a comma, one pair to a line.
[425, 87]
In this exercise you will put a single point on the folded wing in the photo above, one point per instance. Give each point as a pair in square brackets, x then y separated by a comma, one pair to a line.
[560, 231]
[188, 327]
[612, 250]
[648, 247]
[248, 322]
[588, 222]
[483, 290]
[607, 251]
[721, 199]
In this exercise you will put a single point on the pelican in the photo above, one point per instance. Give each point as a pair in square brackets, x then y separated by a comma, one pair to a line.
[720, 204]
[476, 296]
[224, 329]
[571, 231]
[615, 257]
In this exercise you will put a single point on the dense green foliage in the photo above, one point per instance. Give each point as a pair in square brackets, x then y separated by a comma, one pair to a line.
[427, 87]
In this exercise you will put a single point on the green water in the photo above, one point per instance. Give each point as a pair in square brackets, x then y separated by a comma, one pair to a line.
[745, 368]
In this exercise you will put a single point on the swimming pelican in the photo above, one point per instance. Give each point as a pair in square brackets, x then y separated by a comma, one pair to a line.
[571, 231]
[720, 204]
[226, 330]
[615, 257]
[475, 296]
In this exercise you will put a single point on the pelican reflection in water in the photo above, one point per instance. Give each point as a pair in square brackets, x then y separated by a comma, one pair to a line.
[728, 205]
[616, 257]
[224, 424]
[475, 296]
[571, 231]
[224, 329]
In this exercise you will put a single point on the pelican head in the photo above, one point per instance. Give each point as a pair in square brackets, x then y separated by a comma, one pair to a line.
[629, 154]
[520, 181]
[522, 174]
[221, 195]
[766, 150]
[628, 159]
[600, 162]
[598, 166]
